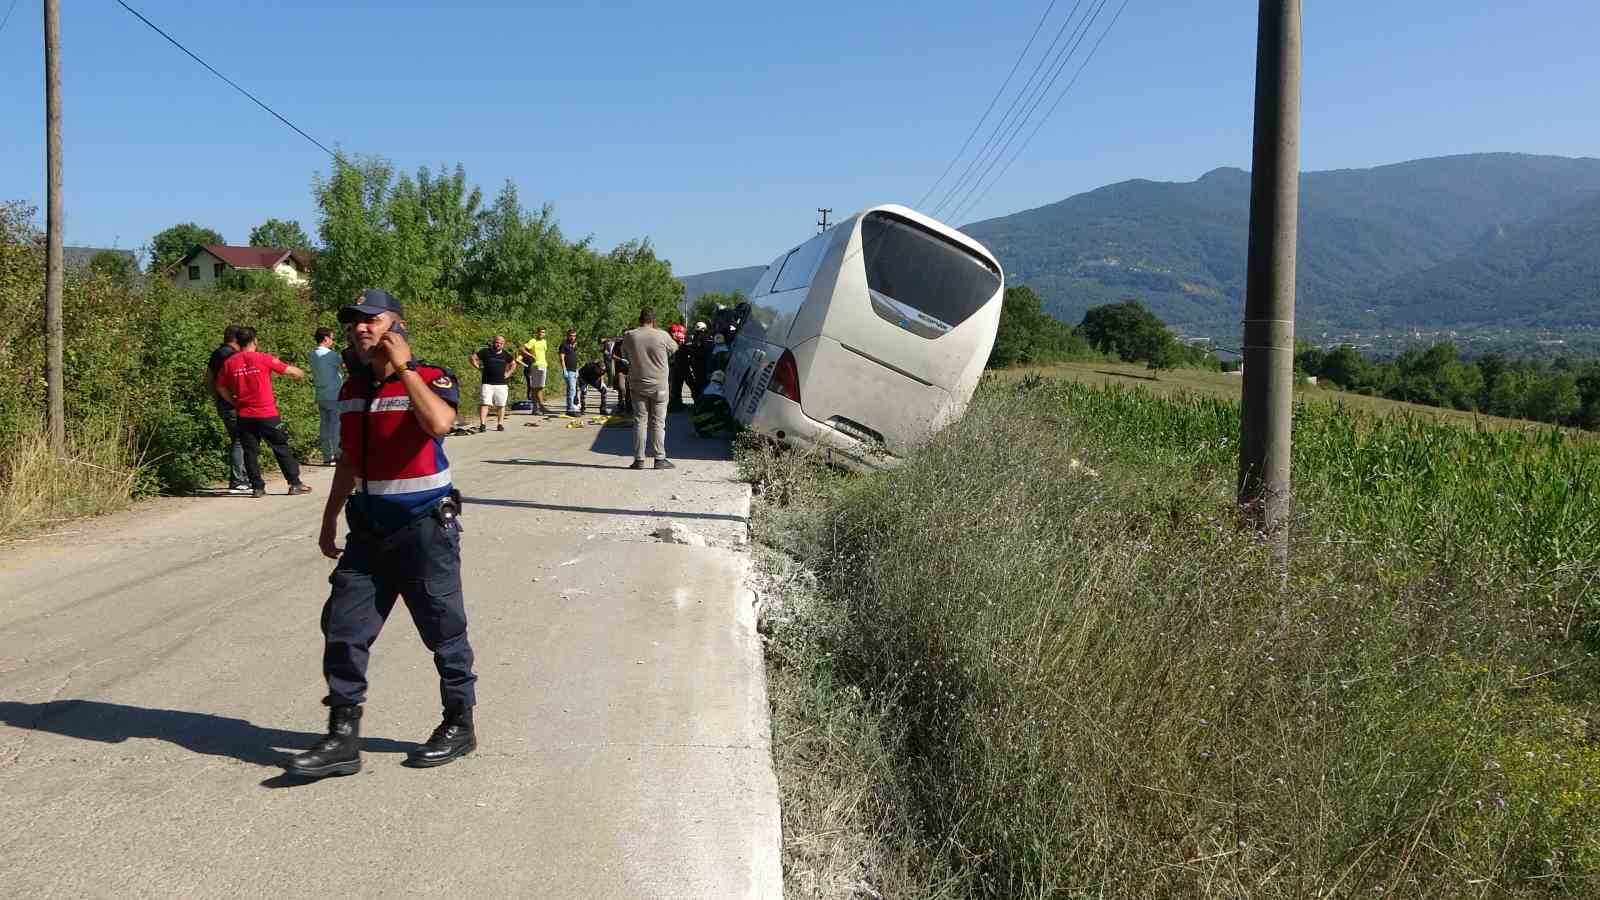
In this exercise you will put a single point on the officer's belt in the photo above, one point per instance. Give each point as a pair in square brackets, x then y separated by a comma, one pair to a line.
[447, 511]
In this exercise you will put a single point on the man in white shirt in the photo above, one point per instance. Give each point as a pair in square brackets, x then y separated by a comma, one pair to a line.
[325, 375]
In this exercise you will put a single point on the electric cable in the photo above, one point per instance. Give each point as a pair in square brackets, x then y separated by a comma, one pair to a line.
[966, 208]
[1035, 98]
[981, 119]
[9, 10]
[231, 83]
[1003, 122]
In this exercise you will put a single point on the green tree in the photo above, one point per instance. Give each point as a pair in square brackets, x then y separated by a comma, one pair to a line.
[1347, 368]
[280, 233]
[1165, 356]
[1127, 329]
[117, 266]
[172, 244]
[705, 306]
[1551, 397]
[520, 264]
[358, 246]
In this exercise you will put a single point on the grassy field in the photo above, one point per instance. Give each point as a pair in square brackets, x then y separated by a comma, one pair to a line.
[1042, 659]
[1227, 387]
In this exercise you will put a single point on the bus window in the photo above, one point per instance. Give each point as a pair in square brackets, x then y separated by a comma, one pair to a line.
[919, 281]
[802, 264]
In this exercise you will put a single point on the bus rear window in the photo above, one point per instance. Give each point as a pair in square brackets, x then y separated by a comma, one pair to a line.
[921, 281]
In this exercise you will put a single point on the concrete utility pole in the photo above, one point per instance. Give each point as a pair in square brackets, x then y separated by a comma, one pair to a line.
[1268, 403]
[822, 219]
[54, 224]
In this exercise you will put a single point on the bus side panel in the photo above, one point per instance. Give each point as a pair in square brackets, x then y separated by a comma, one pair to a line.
[809, 318]
[836, 381]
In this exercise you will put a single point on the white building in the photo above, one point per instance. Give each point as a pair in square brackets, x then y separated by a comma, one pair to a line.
[203, 266]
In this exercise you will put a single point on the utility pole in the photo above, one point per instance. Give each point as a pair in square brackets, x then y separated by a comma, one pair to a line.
[1268, 403]
[822, 219]
[54, 224]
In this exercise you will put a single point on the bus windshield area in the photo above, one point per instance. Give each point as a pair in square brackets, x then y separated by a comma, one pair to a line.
[919, 280]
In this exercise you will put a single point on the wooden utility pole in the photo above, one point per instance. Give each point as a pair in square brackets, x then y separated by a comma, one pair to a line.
[1268, 404]
[54, 224]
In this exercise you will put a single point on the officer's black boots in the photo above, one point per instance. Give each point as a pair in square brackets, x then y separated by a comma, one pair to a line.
[337, 754]
[453, 738]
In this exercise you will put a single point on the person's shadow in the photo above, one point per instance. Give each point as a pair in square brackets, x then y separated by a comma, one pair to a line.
[113, 723]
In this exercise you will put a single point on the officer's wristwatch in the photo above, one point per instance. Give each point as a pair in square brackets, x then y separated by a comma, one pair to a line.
[411, 365]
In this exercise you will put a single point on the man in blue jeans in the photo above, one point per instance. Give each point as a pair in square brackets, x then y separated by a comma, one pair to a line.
[238, 480]
[569, 369]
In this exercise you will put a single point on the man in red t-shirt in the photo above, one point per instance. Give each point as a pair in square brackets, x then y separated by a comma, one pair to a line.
[246, 382]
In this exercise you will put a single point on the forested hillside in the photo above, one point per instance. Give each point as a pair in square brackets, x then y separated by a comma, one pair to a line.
[1180, 247]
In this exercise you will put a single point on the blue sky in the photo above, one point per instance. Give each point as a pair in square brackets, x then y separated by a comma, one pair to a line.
[717, 128]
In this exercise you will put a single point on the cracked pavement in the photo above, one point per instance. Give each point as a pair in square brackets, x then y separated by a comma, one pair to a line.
[157, 665]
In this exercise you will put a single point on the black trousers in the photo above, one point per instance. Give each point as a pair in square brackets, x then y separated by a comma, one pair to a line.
[421, 563]
[252, 432]
[675, 375]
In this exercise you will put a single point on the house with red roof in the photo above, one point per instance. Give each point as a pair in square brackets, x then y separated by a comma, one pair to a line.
[204, 265]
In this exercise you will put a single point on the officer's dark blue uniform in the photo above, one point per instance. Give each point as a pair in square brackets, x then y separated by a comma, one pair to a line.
[404, 542]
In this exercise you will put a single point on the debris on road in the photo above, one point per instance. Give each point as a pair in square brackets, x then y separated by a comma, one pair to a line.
[679, 533]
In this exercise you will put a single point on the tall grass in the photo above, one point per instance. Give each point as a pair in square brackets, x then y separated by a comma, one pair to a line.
[1096, 684]
[95, 475]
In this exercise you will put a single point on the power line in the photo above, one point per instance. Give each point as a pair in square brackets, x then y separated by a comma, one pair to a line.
[230, 81]
[9, 11]
[964, 204]
[1036, 96]
[983, 118]
[1000, 126]
[966, 208]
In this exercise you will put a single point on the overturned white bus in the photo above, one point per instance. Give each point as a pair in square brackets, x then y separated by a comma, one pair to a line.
[868, 338]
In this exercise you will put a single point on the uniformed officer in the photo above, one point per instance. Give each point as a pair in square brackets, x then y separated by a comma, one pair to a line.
[404, 538]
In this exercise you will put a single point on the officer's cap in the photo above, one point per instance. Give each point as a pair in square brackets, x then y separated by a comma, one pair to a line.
[371, 302]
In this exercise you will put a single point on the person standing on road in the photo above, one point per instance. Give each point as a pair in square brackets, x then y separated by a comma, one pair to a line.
[246, 382]
[393, 483]
[649, 351]
[497, 364]
[678, 369]
[325, 362]
[238, 481]
[534, 355]
[568, 351]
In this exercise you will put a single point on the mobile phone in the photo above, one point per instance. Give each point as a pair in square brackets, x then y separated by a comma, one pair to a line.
[398, 328]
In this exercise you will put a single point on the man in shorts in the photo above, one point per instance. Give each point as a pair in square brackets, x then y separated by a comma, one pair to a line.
[497, 363]
[535, 354]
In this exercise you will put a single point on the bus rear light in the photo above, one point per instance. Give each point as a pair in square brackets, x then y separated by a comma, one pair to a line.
[786, 378]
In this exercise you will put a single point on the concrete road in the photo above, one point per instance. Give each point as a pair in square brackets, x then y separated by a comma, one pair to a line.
[157, 666]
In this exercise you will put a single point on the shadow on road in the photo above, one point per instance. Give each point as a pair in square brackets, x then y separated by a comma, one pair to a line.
[682, 442]
[600, 510]
[113, 723]
[553, 462]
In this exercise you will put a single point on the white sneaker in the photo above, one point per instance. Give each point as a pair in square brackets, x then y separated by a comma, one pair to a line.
[239, 489]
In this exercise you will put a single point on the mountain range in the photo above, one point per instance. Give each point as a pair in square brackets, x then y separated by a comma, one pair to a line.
[1494, 239]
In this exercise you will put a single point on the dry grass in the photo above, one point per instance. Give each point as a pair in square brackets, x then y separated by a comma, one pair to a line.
[39, 490]
[999, 674]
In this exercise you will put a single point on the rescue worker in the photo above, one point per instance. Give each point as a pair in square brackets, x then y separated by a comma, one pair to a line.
[404, 538]
[677, 368]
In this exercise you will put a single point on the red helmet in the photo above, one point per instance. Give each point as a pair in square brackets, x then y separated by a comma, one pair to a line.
[678, 333]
